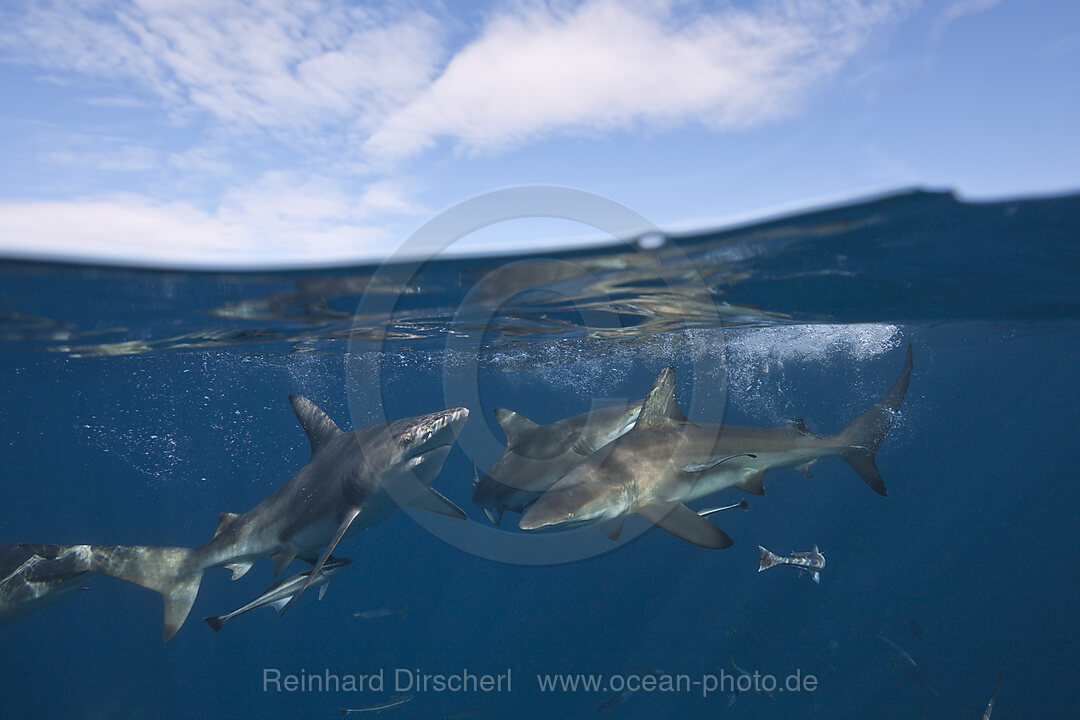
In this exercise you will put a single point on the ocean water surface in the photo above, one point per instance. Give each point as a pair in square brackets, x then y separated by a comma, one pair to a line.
[140, 404]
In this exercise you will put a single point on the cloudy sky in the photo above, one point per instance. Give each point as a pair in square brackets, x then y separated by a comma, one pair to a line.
[308, 131]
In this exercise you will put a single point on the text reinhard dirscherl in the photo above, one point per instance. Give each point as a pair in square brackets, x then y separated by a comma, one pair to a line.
[410, 680]
[401, 680]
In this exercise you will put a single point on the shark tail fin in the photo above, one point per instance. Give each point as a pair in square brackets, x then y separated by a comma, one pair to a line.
[166, 570]
[865, 433]
[766, 559]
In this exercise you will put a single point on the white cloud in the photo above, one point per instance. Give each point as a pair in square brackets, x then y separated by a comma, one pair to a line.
[103, 153]
[608, 65]
[958, 11]
[267, 64]
[281, 219]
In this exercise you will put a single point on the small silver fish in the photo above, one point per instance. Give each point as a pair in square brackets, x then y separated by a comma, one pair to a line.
[897, 649]
[990, 705]
[389, 704]
[379, 613]
[811, 562]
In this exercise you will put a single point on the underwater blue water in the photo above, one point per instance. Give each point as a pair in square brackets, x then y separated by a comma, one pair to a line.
[140, 404]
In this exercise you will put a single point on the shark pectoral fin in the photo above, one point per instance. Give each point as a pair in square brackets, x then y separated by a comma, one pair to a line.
[712, 462]
[239, 569]
[514, 425]
[282, 559]
[350, 515]
[433, 501]
[322, 590]
[753, 483]
[683, 522]
[224, 520]
[816, 577]
[494, 517]
[613, 527]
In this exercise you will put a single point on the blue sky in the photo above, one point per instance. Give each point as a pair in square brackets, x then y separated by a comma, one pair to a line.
[248, 132]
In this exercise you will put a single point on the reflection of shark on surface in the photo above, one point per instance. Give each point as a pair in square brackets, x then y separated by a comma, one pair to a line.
[536, 456]
[29, 583]
[352, 481]
[812, 561]
[667, 460]
[281, 592]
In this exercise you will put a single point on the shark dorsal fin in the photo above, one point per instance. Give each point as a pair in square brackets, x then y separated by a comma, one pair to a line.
[514, 425]
[660, 406]
[317, 424]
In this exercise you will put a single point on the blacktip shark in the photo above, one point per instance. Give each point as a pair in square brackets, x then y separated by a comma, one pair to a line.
[667, 460]
[352, 481]
[812, 561]
[282, 591]
[536, 455]
[29, 583]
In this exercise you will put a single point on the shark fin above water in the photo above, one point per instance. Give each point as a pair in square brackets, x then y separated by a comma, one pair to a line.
[684, 523]
[350, 515]
[514, 425]
[318, 426]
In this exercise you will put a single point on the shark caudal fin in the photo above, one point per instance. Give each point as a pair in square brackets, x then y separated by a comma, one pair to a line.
[865, 433]
[166, 570]
[766, 559]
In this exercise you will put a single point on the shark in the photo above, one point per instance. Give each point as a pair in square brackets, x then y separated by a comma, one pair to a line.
[666, 461]
[29, 583]
[280, 592]
[537, 456]
[351, 481]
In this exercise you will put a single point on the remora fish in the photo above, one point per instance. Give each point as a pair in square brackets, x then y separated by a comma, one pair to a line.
[536, 456]
[666, 461]
[990, 705]
[393, 702]
[811, 562]
[379, 613]
[741, 505]
[352, 481]
[280, 592]
[29, 583]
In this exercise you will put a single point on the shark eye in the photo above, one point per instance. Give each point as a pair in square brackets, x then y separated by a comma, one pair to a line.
[569, 516]
[407, 440]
